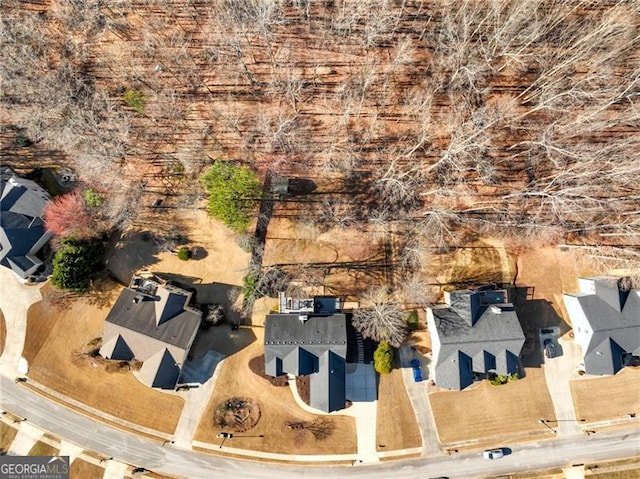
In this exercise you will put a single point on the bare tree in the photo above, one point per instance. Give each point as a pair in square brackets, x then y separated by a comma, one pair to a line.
[381, 318]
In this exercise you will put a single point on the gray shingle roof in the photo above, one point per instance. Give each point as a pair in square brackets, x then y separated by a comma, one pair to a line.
[484, 337]
[138, 325]
[614, 317]
[317, 346]
[22, 229]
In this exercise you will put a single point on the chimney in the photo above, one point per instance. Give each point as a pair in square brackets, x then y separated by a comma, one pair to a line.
[495, 309]
[303, 318]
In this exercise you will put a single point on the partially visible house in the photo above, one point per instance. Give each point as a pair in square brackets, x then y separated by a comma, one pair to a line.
[605, 315]
[309, 337]
[475, 333]
[22, 231]
[151, 321]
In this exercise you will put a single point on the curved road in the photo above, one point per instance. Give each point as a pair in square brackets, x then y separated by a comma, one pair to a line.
[149, 454]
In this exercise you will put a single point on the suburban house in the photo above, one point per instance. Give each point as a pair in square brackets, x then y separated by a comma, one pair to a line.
[151, 321]
[309, 337]
[605, 315]
[477, 332]
[22, 231]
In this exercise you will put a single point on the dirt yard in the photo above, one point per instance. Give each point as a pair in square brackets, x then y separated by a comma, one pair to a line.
[216, 269]
[277, 407]
[85, 470]
[608, 397]
[493, 413]
[54, 336]
[7, 435]
[3, 332]
[43, 449]
[396, 423]
[339, 256]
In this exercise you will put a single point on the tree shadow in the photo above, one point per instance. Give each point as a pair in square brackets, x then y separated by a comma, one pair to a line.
[128, 253]
[534, 314]
[198, 253]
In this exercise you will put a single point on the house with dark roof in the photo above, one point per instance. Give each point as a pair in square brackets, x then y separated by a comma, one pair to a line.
[605, 315]
[22, 231]
[309, 337]
[476, 333]
[151, 321]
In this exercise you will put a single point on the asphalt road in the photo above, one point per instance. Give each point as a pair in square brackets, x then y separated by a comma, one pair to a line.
[151, 455]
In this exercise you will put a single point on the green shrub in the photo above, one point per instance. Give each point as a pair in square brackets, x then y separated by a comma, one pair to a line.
[23, 140]
[77, 263]
[412, 320]
[134, 99]
[92, 198]
[499, 379]
[233, 192]
[249, 283]
[383, 358]
[184, 253]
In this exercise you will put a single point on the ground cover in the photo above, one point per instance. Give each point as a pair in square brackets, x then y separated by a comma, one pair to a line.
[396, 426]
[85, 470]
[607, 398]
[3, 332]
[485, 413]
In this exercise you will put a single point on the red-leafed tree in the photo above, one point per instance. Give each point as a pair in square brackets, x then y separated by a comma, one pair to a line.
[67, 215]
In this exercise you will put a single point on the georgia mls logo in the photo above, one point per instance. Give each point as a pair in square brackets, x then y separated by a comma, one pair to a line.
[34, 467]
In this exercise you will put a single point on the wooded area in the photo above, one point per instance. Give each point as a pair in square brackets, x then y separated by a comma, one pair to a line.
[438, 120]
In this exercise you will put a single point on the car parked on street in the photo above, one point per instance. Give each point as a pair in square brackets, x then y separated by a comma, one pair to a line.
[493, 453]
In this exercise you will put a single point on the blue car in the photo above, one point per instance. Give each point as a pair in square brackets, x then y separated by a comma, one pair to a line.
[417, 374]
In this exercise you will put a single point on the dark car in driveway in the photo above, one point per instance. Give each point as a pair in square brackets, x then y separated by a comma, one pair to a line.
[549, 348]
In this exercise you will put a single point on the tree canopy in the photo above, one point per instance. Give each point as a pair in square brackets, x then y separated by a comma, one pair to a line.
[77, 263]
[233, 191]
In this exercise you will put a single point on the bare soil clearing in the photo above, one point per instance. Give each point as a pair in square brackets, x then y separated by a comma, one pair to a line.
[607, 398]
[488, 413]
[277, 408]
[396, 424]
[53, 338]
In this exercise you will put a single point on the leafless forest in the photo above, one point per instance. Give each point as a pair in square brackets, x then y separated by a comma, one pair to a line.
[439, 120]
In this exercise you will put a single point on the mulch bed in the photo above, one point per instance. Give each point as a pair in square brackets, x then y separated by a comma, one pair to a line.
[257, 367]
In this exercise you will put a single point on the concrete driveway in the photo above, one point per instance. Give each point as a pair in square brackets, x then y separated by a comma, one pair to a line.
[15, 299]
[361, 383]
[558, 371]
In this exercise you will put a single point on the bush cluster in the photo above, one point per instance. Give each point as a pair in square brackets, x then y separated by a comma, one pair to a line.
[383, 358]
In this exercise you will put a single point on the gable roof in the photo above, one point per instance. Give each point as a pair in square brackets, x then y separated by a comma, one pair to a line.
[22, 231]
[477, 332]
[613, 313]
[317, 346]
[157, 329]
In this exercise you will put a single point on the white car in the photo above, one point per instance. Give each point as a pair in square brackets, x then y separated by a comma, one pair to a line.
[493, 454]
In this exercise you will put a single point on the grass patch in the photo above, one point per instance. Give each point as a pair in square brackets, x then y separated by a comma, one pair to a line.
[43, 449]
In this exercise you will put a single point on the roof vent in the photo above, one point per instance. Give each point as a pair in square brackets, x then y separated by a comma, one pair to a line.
[137, 299]
[303, 318]
[496, 309]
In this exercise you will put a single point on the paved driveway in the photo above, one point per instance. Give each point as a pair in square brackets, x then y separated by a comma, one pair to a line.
[558, 371]
[361, 383]
[15, 299]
